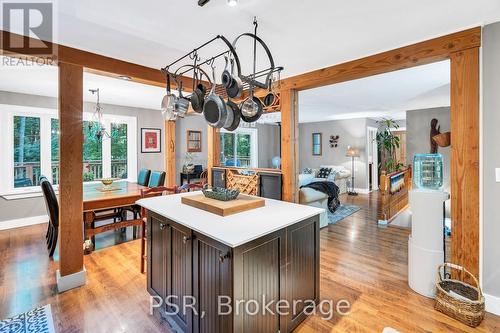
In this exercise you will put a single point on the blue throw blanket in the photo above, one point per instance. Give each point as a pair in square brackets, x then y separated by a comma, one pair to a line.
[330, 189]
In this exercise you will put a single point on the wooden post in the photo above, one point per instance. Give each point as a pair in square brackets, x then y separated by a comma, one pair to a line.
[289, 144]
[70, 177]
[213, 140]
[465, 158]
[170, 165]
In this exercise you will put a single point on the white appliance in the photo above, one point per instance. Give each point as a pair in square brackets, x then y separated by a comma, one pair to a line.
[426, 244]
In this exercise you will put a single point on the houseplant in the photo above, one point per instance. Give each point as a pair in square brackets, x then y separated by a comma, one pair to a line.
[387, 144]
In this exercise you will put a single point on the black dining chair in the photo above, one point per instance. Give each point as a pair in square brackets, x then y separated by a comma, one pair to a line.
[143, 177]
[52, 207]
[157, 178]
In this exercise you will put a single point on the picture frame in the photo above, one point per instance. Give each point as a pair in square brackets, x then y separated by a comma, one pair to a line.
[317, 144]
[150, 140]
[193, 141]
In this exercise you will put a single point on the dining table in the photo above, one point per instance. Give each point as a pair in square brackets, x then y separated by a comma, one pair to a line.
[102, 202]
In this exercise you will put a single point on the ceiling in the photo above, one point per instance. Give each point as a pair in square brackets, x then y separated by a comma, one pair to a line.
[385, 95]
[302, 35]
[43, 81]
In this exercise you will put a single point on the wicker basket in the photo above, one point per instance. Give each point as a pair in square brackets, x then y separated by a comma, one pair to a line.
[469, 311]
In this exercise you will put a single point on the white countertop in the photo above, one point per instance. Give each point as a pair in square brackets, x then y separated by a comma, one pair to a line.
[233, 230]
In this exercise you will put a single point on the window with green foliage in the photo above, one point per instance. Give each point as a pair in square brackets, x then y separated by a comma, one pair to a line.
[237, 149]
[32, 142]
[118, 150]
[26, 151]
[92, 152]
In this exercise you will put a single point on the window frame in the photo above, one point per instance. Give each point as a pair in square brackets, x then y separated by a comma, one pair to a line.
[254, 151]
[7, 114]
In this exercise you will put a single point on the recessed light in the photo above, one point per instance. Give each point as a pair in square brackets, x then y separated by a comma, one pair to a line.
[125, 77]
[232, 3]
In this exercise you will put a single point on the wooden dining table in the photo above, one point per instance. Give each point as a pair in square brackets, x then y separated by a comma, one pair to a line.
[100, 202]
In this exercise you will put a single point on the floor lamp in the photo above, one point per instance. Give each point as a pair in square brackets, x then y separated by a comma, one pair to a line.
[352, 152]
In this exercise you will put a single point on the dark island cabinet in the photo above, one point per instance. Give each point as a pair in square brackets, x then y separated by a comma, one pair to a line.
[282, 265]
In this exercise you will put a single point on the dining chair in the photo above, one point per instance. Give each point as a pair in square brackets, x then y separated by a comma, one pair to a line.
[146, 193]
[157, 179]
[143, 177]
[52, 207]
[198, 186]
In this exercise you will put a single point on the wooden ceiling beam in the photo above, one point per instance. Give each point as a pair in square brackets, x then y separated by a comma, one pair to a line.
[96, 63]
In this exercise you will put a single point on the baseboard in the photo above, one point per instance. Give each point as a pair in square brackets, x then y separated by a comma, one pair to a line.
[492, 304]
[361, 190]
[24, 222]
[70, 281]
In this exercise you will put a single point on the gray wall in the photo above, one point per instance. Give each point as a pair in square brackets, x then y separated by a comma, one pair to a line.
[196, 123]
[352, 133]
[21, 208]
[418, 124]
[491, 159]
[269, 144]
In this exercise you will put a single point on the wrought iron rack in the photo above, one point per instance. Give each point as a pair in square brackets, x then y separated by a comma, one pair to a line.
[195, 64]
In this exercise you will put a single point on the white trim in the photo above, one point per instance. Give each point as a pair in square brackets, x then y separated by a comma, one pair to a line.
[71, 281]
[362, 190]
[23, 222]
[492, 304]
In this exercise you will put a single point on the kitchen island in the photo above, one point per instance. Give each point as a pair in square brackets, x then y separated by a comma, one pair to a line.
[230, 267]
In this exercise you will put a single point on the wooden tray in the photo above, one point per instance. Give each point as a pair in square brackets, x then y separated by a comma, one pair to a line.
[223, 208]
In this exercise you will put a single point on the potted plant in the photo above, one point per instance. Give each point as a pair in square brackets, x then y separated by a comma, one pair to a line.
[387, 144]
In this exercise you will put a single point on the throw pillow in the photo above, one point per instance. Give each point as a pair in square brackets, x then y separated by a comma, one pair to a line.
[333, 174]
[307, 171]
[324, 172]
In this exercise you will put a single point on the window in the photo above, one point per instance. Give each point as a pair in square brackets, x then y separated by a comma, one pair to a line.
[118, 150]
[316, 144]
[239, 148]
[26, 151]
[32, 145]
[92, 152]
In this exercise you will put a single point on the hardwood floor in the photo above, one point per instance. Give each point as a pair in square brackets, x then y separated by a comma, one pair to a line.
[360, 262]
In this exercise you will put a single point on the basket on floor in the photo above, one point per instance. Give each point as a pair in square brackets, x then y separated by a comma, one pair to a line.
[469, 308]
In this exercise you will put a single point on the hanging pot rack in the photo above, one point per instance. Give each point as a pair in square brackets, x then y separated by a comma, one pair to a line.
[249, 81]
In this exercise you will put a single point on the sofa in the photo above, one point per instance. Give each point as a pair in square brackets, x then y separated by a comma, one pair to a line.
[311, 197]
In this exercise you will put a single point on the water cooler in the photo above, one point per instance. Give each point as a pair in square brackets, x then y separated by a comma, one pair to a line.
[426, 242]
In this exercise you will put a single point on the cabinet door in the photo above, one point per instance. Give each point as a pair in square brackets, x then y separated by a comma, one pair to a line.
[179, 275]
[211, 280]
[218, 177]
[270, 185]
[157, 236]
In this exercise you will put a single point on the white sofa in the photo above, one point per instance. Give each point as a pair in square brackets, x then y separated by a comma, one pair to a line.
[311, 197]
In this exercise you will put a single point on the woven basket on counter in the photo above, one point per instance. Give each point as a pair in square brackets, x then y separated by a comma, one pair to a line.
[470, 309]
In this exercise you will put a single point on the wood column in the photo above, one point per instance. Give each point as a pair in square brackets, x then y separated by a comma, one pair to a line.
[465, 158]
[70, 168]
[170, 158]
[289, 144]
[213, 140]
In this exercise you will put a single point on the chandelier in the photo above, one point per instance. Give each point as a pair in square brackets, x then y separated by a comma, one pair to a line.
[96, 126]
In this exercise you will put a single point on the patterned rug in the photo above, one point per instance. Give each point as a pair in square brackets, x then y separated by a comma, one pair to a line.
[38, 320]
[343, 211]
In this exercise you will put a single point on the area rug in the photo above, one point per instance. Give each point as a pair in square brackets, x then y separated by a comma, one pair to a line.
[343, 211]
[38, 320]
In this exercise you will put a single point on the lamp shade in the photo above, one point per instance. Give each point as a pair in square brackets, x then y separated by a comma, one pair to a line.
[352, 152]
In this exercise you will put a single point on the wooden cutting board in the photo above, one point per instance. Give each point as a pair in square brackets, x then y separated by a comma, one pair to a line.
[224, 208]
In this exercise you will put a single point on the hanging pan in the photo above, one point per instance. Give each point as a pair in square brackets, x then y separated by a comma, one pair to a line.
[168, 102]
[214, 107]
[236, 88]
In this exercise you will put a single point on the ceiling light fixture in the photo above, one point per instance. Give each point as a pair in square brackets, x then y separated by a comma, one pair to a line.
[232, 3]
[125, 77]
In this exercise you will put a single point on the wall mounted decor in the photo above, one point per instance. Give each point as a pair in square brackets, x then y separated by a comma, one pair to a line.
[317, 144]
[193, 141]
[150, 140]
[334, 141]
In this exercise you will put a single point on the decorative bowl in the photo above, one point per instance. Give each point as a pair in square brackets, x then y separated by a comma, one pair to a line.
[107, 181]
[221, 194]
